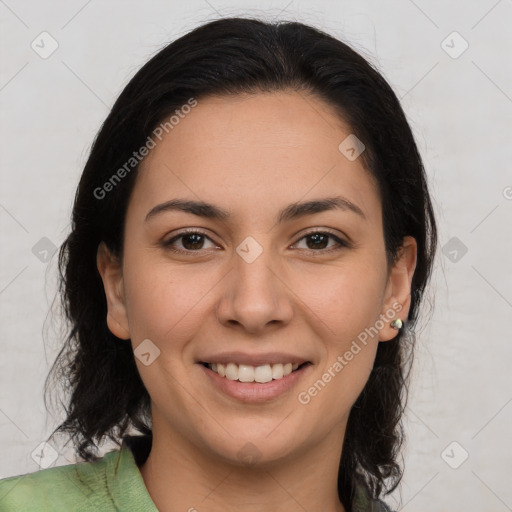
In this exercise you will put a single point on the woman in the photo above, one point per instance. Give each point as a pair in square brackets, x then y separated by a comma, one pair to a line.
[251, 239]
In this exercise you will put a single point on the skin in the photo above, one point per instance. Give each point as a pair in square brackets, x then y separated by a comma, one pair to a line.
[252, 155]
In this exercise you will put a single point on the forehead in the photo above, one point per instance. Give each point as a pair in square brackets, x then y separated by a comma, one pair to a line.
[252, 151]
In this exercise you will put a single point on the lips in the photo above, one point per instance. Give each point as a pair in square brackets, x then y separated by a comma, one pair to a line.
[255, 377]
[254, 392]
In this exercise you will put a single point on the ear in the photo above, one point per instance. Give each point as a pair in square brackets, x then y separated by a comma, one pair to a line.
[110, 269]
[398, 288]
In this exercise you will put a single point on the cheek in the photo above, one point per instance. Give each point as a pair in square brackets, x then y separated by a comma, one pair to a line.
[345, 298]
[345, 382]
[164, 302]
[344, 315]
[346, 302]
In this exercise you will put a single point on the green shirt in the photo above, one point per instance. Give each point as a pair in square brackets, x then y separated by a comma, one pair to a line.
[111, 483]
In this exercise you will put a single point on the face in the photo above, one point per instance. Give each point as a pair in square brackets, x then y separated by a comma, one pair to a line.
[253, 285]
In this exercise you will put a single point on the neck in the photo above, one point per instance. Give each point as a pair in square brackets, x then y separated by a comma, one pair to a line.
[181, 477]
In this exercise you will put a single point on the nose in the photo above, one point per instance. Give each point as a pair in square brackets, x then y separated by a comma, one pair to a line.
[255, 295]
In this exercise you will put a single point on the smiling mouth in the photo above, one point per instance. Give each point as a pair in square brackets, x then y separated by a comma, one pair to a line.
[260, 374]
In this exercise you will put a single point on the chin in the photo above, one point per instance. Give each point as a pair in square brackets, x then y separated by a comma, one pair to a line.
[258, 449]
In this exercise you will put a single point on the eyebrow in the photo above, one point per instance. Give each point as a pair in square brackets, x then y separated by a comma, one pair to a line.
[290, 212]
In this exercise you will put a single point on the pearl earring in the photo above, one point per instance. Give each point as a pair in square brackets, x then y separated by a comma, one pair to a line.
[397, 324]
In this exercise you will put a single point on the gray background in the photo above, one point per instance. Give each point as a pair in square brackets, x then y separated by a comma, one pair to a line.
[460, 108]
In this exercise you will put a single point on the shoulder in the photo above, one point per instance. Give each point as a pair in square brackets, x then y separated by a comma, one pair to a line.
[363, 502]
[74, 487]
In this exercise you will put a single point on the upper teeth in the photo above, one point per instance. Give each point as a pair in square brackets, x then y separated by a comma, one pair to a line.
[247, 373]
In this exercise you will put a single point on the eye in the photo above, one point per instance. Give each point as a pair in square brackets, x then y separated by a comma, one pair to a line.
[319, 239]
[191, 241]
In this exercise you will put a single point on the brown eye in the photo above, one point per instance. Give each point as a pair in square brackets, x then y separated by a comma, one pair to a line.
[191, 241]
[318, 241]
[194, 241]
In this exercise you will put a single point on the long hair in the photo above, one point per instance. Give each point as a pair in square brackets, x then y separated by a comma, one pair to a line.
[229, 56]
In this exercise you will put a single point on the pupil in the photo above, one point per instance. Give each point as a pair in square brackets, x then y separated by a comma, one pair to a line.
[318, 237]
[195, 237]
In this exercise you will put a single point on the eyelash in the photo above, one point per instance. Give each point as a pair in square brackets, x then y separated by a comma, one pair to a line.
[342, 244]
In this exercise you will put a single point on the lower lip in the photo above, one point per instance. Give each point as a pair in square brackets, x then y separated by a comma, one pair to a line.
[255, 391]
